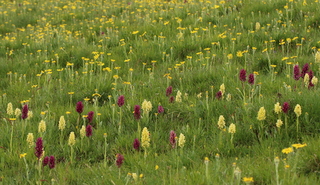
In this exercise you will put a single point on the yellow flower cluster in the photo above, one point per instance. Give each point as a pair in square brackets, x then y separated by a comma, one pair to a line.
[221, 122]
[30, 115]
[232, 128]
[228, 97]
[72, 139]
[23, 155]
[83, 131]
[261, 114]
[314, 80]
[297, 146]
[178, 97]
[287, 150]
[146, 107]
[182, 140]
[247, 179]
[42, 126]
[145, 138]
[222, 89]
[9, 109]
[135, 176]
[62, 123]
[17, 112]
[257, 26]
[317, 57]
[279, 123]
[297, 110]
[277, 108]
[306, 80]
[30, 140]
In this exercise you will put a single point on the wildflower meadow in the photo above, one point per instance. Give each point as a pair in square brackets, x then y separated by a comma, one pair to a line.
[159, 92]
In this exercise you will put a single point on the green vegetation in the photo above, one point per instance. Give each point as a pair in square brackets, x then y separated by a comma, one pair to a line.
[242, 109]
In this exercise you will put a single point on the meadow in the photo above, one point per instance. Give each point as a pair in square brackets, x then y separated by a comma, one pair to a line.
[159, 92]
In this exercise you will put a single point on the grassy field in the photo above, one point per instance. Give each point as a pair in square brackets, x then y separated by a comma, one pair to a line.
[159, 92]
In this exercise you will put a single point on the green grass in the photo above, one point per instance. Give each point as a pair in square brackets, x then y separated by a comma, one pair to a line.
[55, 54]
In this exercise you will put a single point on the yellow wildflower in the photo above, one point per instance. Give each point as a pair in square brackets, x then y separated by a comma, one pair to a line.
[83, 131]
[232, 128]
[42, 126]
[317, 57]
[30, 140]
[17, 112]
[217, 156]
[277, 108]
[134, 176]
[297, 146]
[228, 97]
[247, 179]
[62, 123]
[314, 80]
[297, 110]
[206, 160]
[30, 115]
[261, 114]
[279, 123]
[237, 173]
[145, 138]
[23, 155]
[230, 56]
[221, 122]
[222, 89]
[182, 140]
[257, 26]
[306, 80]
[72, 139]
[199, 95]
[287, 150]
[146, 107]
[9, 109]
[178, 97]
[239, 54]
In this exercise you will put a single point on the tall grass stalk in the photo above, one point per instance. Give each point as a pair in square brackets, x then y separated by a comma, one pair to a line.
[11, 135]
[286, 124]
[105, 150]
[276, 163]
[27, 167]
[71, 154]
[120, 121]
[206, 162]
